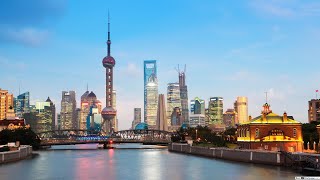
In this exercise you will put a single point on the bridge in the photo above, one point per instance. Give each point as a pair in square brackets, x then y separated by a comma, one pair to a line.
[77, 136]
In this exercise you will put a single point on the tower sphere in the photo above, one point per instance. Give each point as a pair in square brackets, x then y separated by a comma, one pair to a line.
[108, 61]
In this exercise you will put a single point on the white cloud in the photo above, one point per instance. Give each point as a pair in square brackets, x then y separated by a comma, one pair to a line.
[27, 35]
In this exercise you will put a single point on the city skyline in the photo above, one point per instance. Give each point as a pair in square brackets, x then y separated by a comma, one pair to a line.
[273, 49]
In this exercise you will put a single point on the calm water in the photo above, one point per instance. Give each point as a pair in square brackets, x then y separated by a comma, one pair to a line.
[85, 162]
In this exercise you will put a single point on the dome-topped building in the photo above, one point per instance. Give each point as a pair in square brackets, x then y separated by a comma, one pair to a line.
[270, 131]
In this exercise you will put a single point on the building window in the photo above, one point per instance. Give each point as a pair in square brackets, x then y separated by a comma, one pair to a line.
[294, 132]
[257, 132]
[248, 133]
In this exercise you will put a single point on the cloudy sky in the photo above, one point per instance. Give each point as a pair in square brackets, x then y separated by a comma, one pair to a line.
[231, 48]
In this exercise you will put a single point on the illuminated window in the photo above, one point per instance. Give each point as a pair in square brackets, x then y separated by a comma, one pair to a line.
[248, 133]
[294, 132]
[257, 132]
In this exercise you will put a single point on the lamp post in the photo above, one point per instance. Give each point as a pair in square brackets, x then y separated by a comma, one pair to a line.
[196, 134]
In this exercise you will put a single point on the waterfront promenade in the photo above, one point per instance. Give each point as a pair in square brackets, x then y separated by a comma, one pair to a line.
[9, 156]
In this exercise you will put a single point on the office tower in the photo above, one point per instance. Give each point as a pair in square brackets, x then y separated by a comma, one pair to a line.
[108, 113]
[162, 122]
[241, 107]
[314, 110]
[228, 118]
[136, 117]
[183, 94]
[68, 110]
[197, 120]
[197, 106]
[22, 104]
[175, 118]
[150, 70]
[94, 119]
[216, 110]
[58, 121]
[151, 101]
[173, 100]
[6, 102]
[88, 99]
[45, 116]
[115, 119]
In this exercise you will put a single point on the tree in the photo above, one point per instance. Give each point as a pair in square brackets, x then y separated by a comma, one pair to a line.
[24, 135]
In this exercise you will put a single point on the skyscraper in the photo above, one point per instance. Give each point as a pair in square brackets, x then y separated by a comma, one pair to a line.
[242, 109]
[228, 118]
[216, 110]
[173, 100]
[314, 110]
[45, 116]
[87, 101]
[22, 104]
[68, 115]
[175, 118]
[162, 122]
[108, 113]
[197, 106]
[150, 69]
[151, 101]
[6, 102]
[115, 119]
[183, 94]
[136, 117]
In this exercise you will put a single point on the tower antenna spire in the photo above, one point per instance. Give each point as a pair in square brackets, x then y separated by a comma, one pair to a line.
[87, 87]
[109, 41]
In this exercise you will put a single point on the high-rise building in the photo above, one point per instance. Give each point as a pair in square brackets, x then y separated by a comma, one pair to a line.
[228, 118]
[94, 119]
[197, 106]
[197, 120]
[136, 118]
[216, 110]
[6, 103]
[108, 113]
[87, 101]
[241, 105]
[68, 110]
[150, 69]
[314, 110]
[162, 122]
[22, 104]
[151, 101]
[58, 121]
[52, 108]
[115, 119]
[173, 100]
[175, 117]
[183, 95]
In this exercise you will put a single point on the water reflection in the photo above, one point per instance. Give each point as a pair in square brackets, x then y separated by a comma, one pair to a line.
[90, 163]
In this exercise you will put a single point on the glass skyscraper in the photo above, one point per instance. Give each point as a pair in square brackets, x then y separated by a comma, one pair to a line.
[22, 104]
[150, 92]
[216, 110]
[173, 100]
[197, 106]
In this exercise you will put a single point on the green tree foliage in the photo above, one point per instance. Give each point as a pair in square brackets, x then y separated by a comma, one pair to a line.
[199, 135]
[310, 134]
[24, 135]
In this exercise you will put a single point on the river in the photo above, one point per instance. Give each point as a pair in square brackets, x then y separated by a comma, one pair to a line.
[132, 161]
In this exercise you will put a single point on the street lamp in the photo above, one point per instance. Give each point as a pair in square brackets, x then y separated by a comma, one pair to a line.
[196, 134]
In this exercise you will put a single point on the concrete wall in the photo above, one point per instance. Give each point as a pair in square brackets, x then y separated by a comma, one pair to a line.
[253, 156]
[23, 152]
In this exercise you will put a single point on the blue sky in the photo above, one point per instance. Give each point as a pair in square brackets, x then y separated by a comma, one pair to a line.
[231, 48]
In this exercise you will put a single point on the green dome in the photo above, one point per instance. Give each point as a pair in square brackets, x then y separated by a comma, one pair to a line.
[141, 126]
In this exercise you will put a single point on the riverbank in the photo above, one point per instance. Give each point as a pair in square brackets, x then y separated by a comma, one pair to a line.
[23, 152]
[241, 155]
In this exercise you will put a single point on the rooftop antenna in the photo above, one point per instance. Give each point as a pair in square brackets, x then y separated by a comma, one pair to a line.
[87, 87]
[266, 97]
[317, 93]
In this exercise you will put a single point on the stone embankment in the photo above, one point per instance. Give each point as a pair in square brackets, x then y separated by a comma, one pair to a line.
[242, 155]
[21, 153]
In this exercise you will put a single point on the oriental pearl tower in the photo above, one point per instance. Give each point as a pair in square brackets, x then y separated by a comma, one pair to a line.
[108, 113]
